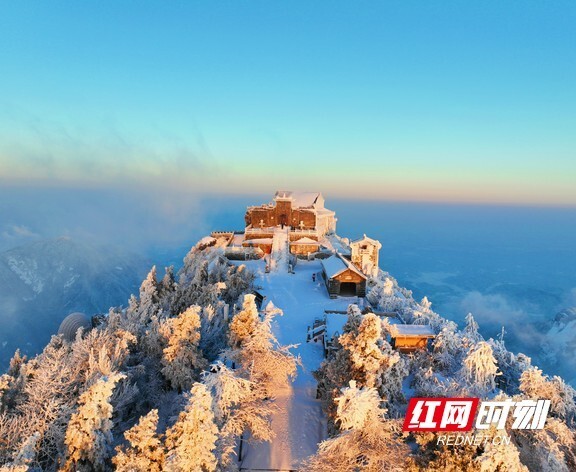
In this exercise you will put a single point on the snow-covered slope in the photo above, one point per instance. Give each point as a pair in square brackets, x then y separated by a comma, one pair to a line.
[41, 283]
[559, 347]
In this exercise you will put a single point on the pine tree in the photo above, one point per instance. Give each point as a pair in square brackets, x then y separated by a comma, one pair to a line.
[480, 368]
[368, 441]
[23, 462]
[145, 452]
[502, 457]
[552, 448]
[471, 330]
[141, 310]
[448, 348]
[257, 350]
[511, 365]
[239, 405]
[214, 331]
[244, 323]
[562, 396]
[365, 347]
[149, 297]
[192, 440]
[89, 436]
[182, 358]
[167, 290]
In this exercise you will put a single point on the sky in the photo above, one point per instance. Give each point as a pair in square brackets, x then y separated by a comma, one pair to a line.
[452, 101]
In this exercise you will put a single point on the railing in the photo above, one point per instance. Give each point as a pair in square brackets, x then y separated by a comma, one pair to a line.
[271, 229]
[308, 232]
[250, 230]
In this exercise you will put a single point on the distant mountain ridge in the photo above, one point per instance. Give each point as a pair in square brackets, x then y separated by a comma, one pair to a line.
[42, 282]
[559, 346]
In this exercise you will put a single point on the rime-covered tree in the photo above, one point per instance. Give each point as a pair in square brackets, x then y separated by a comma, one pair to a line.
[239, 405]
[24, 460]
[13, 381]
[145, 452]
[534, 384]
[238, 282]
[364, 356]
[167, 290]
[480, 368]
[244, 323]
[182, 358]
[471, 330]
[256, 349]
[149, 297]
[383, 294]
[89, 433]
[552, 448]
[429, 456]
[501, 457]
[511, 365]
[369, 354]
[448, 348]
[214, 331]
[336, 371]
[191, 442]
[368, 441]
[40, 400]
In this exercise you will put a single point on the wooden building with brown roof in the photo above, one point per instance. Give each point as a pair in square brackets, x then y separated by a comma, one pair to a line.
[342, 278]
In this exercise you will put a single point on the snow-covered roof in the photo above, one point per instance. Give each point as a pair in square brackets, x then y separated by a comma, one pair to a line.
[324, 212]
[258, 241]
[206, 240]
[305, 241]
[335, 324]
[238, 240]
[299, 199]
[411, 330]
[368, 240]
[335, 265]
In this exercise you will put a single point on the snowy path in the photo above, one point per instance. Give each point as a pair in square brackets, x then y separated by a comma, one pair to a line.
[299, 423]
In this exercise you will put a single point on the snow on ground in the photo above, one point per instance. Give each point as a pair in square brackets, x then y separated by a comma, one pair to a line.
[299, 422]
[279, 256]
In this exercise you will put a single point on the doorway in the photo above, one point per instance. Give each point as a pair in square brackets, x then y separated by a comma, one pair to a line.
[347, 289]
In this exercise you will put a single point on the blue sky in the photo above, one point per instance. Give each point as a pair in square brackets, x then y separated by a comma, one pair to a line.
[406, 100]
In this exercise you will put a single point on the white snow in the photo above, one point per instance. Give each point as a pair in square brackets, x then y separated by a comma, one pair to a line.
[334, 324]
[71, 281]
[300, 199]
[336, 244]
[279, 255]
[27, 271]
[237, 240]
[205, 241]
[259, 241]
[305, 240]
[335, 265]
[411, 330]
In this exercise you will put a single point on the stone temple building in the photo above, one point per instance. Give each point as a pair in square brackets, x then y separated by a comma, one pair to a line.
[364, 254]
[302, 214]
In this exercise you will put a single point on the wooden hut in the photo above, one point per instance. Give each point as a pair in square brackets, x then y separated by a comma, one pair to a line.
[342, 278]
[410, 337]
